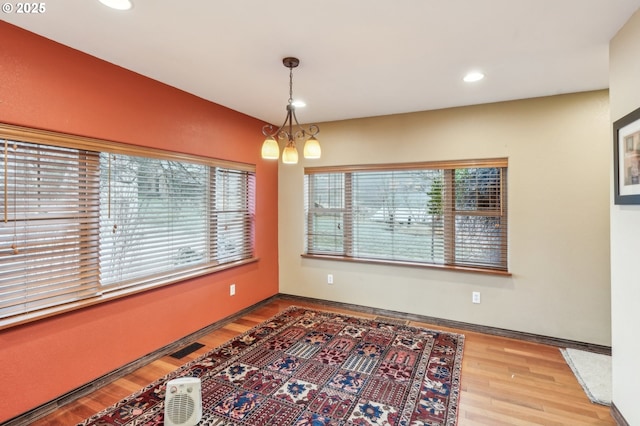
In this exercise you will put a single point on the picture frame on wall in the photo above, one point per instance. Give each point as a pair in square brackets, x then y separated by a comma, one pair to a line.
[626, 159]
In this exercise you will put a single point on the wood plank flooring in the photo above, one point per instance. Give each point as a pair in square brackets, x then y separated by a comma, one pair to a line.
[504, 381]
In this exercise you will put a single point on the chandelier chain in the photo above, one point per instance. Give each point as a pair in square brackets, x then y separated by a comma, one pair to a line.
[290, 85]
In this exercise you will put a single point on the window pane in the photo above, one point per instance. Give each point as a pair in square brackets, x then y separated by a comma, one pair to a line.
[479, 241]
[325, 213]
[394, 217]
[232, 215]
[49, 230]
[479, 238]
[153, 217]
[478, 189]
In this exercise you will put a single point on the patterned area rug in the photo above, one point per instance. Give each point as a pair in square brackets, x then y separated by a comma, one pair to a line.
[307, 367]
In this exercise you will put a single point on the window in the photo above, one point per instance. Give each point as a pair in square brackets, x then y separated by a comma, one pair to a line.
[159, 216]
[49, 226]
[89, 217]
[449, 214]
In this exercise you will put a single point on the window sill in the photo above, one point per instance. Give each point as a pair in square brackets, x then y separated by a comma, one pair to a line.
[487, 271]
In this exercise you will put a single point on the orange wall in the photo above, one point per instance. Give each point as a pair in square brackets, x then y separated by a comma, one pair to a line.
[49, 86]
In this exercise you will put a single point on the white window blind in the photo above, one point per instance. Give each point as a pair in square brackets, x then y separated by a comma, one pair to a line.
[49, 226]
[479, 217]
[232, 215]
[160, 216]
[431, 213]
[153, 218]
[82, 218]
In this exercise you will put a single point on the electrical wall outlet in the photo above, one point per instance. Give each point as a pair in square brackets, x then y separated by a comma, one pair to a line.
[330, 279]
[475, 297]
[232, 290]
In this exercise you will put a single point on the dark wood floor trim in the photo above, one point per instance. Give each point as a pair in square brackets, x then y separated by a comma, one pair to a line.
[30, 416]
[617, 416]
[536, 338]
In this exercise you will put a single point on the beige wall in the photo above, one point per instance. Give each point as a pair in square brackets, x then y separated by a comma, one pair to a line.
[625, 233]
[558, 150]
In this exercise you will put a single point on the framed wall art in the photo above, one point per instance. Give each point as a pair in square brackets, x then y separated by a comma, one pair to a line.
[626, 159]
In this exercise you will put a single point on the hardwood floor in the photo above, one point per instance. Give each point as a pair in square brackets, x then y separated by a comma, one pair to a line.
[504, 381]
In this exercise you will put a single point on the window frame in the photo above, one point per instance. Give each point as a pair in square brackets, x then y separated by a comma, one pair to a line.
[449, 168]
[61, 140]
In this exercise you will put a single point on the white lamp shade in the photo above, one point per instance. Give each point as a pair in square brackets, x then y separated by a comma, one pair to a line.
[270, 149]
[290, 154]
[312, 148]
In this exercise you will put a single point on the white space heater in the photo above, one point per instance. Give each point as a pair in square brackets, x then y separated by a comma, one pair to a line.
[183, 402]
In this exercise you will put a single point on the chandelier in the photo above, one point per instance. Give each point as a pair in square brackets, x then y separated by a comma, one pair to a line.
[287, 132]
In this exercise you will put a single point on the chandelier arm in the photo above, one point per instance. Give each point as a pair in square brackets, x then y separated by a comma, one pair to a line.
[267, 131]
[313, 130]
[300, 132]
[282, 132]
[291, 115]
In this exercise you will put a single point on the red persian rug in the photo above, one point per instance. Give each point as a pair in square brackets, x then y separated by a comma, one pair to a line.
[307, 367]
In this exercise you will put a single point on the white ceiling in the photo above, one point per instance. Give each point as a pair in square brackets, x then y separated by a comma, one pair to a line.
[358, 57]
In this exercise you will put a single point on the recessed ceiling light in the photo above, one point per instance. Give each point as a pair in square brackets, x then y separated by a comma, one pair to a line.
[473, 76]
[117, 4]
[299, 104]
